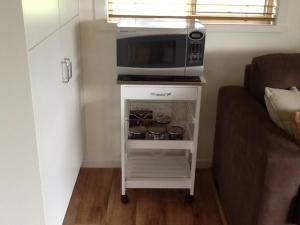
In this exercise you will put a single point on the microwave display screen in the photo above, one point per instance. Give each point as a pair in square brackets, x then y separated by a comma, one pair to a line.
[152, 53]
[160, 51]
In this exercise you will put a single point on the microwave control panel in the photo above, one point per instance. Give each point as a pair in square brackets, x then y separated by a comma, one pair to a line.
[195, 48]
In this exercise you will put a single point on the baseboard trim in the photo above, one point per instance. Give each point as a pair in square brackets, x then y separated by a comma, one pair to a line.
[204, 163]
[222, 214]
[201, 163]
[101, 164]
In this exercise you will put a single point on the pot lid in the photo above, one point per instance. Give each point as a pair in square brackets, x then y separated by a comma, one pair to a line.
[175, 130]
[163, 119]
[137, 130]
[157, 130]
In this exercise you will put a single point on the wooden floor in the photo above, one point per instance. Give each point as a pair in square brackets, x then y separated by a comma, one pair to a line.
[96, 201]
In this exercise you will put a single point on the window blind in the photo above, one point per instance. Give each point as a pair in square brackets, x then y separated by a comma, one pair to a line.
[215, 11]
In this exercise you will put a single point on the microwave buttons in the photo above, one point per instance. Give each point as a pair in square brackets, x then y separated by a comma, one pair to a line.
[195, 48]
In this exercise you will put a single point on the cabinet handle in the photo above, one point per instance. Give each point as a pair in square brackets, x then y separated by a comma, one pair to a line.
[65, 72]
[70, 67]
[161, 94]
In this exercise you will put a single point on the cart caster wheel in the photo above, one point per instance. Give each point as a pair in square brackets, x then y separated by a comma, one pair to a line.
[189, 198]
[124, 199]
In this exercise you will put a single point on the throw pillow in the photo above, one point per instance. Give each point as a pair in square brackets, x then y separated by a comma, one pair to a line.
[282, 105]
[297, 134]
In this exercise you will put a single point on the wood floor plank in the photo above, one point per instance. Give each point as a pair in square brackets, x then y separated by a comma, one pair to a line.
[117, 212]
[205, 207]
[71, 215]
[149, 207]
[96, 201]
[178, 212]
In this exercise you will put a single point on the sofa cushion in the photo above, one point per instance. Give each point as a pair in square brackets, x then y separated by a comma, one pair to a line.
[297, 130]
[282, 105]
[297, 208]
[276, 71]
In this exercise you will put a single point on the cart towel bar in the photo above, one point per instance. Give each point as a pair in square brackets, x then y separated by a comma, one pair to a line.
[161, 94]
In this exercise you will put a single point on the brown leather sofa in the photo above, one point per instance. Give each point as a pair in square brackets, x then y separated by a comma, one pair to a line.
[256, 165]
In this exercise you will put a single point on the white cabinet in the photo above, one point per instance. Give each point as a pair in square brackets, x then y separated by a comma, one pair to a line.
[55, 98]
[57, 118]
[41, 18]
[68, 9]
[50, 120]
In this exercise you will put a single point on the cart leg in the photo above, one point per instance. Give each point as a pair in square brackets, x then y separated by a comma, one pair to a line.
[189, 198]
[192, 190]
[124, 135]
[124, 196]
[124, 199]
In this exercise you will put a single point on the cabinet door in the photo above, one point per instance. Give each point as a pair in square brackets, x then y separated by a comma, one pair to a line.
[52, 126]
[69, 39]
[70, 44]
[68, 9]
[41, 19]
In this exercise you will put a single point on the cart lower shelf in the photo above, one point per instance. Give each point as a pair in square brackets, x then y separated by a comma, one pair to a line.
[158, 172]
[161, 144]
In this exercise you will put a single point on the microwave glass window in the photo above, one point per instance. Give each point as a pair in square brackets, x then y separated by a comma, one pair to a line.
[152, 53]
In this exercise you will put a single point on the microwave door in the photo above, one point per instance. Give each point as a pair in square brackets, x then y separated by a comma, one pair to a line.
[152, 55]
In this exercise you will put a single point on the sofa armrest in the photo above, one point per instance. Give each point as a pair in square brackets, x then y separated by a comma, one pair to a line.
[247, 159]
[296, 209]
[282, 179]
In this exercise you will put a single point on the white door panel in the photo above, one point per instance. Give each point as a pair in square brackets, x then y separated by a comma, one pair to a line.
[69, 36]
[74, 128]
[41, 18]
[52, 127]
[67, 10]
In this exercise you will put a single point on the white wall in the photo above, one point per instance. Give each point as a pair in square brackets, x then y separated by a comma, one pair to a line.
[228, 49]
[20, 192]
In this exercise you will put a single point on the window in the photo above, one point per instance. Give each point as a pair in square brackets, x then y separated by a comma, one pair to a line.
[207, 11]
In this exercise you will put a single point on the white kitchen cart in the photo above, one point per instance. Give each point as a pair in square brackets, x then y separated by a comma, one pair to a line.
[161, 163]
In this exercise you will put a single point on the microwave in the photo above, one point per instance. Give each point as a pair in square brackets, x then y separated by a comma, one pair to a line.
[160, 48]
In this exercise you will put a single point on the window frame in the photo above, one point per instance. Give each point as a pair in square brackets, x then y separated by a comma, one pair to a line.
[268, 18]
